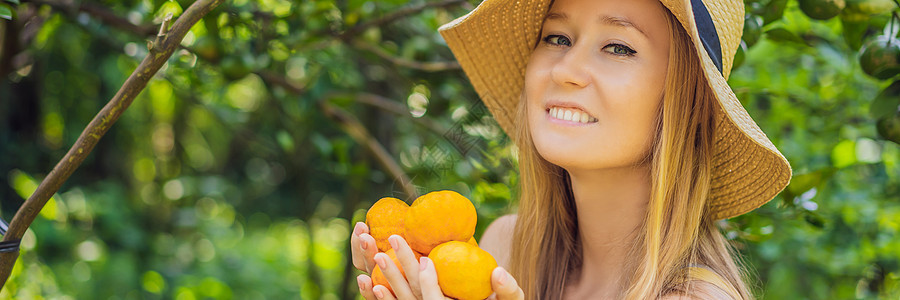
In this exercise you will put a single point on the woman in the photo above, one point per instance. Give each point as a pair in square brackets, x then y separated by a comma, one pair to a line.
[631, 147]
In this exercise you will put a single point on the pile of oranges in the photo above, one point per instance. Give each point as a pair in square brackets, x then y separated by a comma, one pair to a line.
[439, 225]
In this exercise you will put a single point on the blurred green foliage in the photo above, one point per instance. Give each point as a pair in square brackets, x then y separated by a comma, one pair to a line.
[226, 179]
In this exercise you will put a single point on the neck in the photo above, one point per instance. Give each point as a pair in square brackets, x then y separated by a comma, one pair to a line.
[611, 206]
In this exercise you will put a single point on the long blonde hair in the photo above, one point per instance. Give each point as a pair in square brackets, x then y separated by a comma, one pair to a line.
[676, 233]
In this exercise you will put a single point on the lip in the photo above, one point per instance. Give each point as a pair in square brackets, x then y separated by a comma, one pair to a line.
[566, 104]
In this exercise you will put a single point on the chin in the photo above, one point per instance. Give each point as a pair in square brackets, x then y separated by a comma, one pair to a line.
[565, 154]
[587, 154]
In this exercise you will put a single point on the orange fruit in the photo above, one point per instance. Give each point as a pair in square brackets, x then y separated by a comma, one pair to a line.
[439, 217]
[385, 218]
[464, 271]
[378, 275]
[472, 241]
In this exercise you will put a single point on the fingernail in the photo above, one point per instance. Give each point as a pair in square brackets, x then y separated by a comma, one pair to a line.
[380, 261]
[358, 229]
[503, 278]
[378, 294]
[423, 261]
[393, 242]
[362, 286]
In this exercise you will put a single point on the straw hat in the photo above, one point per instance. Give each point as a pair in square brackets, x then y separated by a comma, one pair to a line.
[747, 169]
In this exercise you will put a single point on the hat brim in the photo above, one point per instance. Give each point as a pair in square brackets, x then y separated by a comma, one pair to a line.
[747, 171]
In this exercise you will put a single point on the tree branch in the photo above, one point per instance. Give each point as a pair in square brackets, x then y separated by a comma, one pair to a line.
[356, 130]
[398, 109]
[373, 100]
[108, 17]
[361, 135]
[115, 21]
[424, 66]
[280, 81]
[105, 15]
[396, 15]
[15, 36]
[387, 161]
[162, 49]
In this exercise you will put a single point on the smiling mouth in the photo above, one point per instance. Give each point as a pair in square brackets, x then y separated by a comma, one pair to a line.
[571, 115]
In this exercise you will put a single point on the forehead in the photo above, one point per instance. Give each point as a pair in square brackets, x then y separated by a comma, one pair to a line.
[647, 16]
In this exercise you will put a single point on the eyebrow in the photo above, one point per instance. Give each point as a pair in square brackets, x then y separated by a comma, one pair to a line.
[604, 19]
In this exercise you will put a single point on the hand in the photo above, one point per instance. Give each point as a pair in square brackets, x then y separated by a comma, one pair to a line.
[404, 288]
[505, 286]
[362, 248]
[421, 278]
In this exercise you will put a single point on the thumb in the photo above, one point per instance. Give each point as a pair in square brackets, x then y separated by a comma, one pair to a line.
[505, 286]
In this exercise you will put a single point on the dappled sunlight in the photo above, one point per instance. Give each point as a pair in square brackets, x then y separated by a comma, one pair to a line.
[241, 168]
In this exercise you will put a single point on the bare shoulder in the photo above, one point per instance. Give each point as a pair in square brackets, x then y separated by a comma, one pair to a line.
[700, 290]
[497, 237]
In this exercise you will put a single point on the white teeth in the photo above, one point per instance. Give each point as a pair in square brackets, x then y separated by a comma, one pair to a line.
[572, 115]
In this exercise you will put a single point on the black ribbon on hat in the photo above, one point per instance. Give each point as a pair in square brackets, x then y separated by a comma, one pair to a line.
[7, 246]
[708, 35]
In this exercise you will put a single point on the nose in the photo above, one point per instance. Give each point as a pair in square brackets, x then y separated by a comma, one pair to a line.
[571, 68]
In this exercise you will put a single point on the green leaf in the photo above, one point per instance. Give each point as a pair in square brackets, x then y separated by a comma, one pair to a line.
[153, 282]
[16, 2]
[169, 7]
[740, 56]
[815, 220]
[752, 29]
[854, 28]
[6, 11]
[773, 11]
[886, 102]
[24, 184]
[870, 7]
[844, 154]
[804, 182]
[779, 34]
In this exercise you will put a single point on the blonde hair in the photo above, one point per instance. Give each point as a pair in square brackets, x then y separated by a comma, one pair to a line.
[676, 234]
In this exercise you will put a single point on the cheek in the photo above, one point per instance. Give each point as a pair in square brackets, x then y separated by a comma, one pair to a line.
[536, 82]
[535, 79]
[631, 103]
[635, 110]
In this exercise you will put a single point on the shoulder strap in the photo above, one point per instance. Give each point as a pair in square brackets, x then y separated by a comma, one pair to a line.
[707, 275]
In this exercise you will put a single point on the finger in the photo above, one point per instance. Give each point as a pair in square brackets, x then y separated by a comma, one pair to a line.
[505, 286]
[368, 247]
[365, 287]
[408, 262]
[355, 249]
[428, 280]
[394, 277]
[383, 293]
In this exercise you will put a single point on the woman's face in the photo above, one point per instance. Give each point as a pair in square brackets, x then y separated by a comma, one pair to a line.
[595, 81]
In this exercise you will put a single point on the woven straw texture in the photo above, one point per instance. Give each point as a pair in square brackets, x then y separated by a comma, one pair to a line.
[747, 170]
